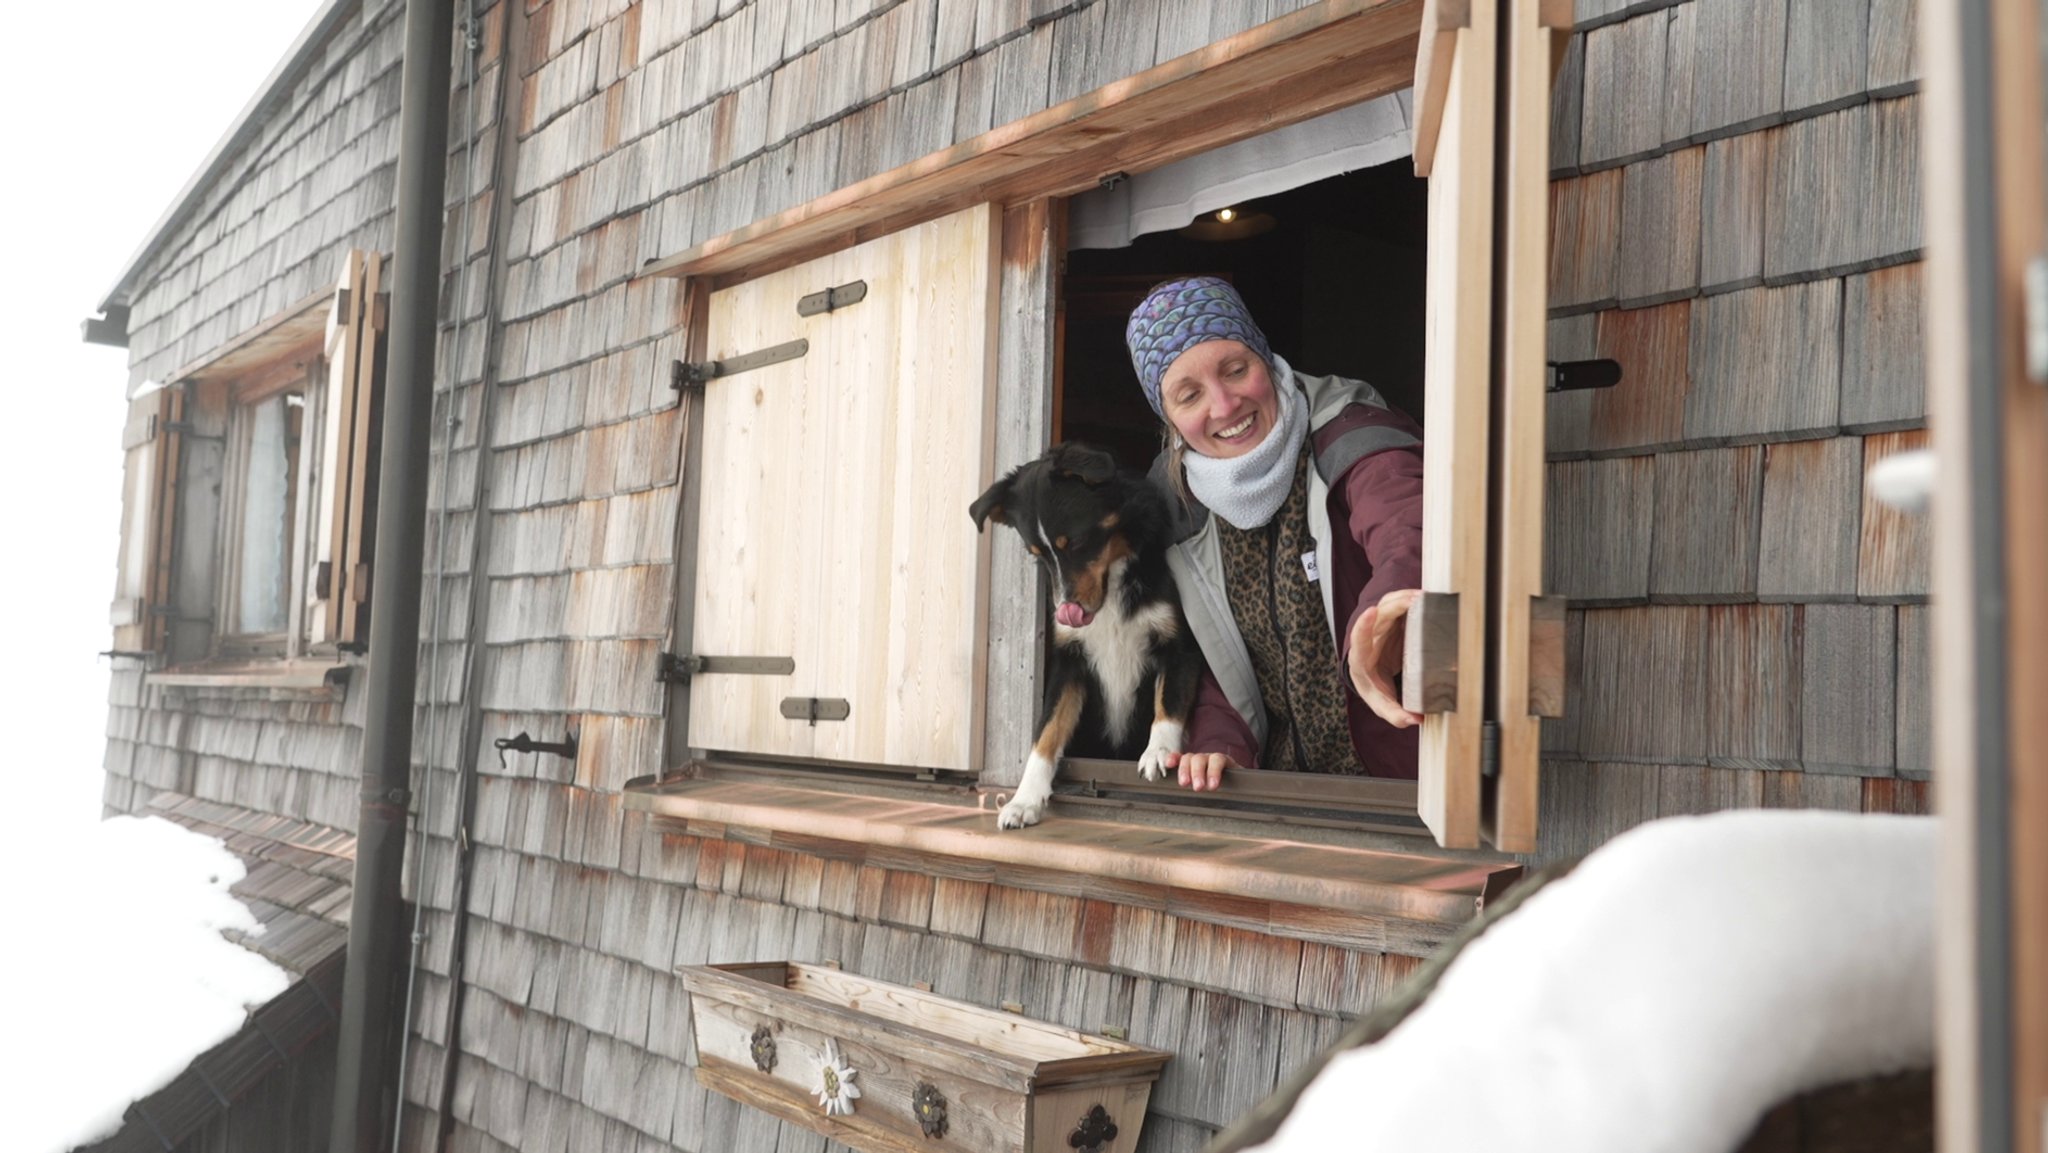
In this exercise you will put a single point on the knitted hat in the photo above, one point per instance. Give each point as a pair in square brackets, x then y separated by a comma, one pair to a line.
[1181, 314]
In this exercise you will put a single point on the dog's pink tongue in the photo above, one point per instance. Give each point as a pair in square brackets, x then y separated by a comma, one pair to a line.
[1072, 615]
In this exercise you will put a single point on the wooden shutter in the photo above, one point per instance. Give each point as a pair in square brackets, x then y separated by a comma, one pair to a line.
[833, 492]
[153, 441]
[338, 595]
[1483, 79]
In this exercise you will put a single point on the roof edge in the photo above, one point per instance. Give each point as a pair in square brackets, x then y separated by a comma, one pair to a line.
[247, 122]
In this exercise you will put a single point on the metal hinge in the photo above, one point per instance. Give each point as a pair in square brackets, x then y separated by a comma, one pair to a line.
[836, 297]
[687, 375]
[678, 669]
[815, 709]
[1489, 748]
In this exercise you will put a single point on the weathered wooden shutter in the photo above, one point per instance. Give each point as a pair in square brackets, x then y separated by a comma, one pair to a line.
[835, 560]
[153, 442]
[338, 595]
[1482, 138]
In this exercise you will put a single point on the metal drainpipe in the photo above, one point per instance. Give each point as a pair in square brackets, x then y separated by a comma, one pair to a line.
[376, 937]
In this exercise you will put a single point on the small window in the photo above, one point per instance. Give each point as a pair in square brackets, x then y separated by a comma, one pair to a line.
[251, 491]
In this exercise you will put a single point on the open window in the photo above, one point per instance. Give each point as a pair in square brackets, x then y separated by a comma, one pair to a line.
[250, 497]
[815, 531]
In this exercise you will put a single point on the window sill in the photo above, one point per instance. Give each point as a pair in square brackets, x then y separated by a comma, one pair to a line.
[1398, 901]
[301, 677]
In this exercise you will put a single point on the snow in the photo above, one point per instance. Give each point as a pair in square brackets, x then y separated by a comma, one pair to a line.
[121, 975]
[1683, 979]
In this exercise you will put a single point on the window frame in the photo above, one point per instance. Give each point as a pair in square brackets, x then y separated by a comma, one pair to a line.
[326, 349]
[1177, 109]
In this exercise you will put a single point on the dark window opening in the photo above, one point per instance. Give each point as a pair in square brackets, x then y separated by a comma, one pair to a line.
[1332, 271]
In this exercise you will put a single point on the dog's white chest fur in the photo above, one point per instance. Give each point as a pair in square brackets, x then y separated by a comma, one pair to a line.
[1116, 644]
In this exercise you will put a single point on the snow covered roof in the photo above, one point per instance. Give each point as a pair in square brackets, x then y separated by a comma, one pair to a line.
[296, 887]
[1665, 995]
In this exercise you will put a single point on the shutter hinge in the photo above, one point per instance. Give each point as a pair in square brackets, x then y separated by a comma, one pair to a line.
[691, 375]
[1489, 748]
[814, 709]
[674, 669]
[838, 296]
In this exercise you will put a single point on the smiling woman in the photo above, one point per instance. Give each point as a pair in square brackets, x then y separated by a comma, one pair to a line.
[1300, 579]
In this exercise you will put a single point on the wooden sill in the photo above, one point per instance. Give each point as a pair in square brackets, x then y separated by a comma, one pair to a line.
[1369, 897]
[303, 675]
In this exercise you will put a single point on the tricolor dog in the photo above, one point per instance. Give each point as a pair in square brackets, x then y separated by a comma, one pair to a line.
[1123, 661]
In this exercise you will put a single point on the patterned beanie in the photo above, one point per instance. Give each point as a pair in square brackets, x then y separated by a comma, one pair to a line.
[1181, 314]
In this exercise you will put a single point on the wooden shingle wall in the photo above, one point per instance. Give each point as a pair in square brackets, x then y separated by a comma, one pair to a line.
[272, 230]
[575, 1029]
[636, 130]
[1737, 221]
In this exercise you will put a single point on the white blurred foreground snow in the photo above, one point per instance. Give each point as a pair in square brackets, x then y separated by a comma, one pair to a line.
[1683, 979]
[118, 976]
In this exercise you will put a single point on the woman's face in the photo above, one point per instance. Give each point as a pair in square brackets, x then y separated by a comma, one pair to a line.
[1219, 397]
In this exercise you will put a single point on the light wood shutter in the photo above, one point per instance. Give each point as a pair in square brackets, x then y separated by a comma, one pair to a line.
[1486, 159]
[344, 518]
[833, 492]
[152, 442]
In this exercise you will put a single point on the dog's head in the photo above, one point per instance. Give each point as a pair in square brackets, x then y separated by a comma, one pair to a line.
[1068, 506]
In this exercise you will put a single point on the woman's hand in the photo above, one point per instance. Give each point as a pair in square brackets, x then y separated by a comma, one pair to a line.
[1377, 641]
[1202, 771]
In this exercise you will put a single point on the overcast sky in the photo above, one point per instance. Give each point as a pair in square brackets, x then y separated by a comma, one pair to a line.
[110, 108]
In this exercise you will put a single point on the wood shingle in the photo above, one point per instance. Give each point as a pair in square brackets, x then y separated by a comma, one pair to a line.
[1813, 497]
[1567, 103]
[1660, 229]
[1766, 363]
[1915, 709]
[1826, 49]
[1884, 381]
[1894, 66]
[1585, 227]
[1739, 69]
[1635, 662]
[1848, 688]
[1597, 532]
[1753, 684]
[1893, 563]
[1623, 107]
[1734, 183]
[1707, 510]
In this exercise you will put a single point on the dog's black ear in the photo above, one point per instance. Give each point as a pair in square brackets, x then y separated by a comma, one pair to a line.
[989, 505]
[1086, 463]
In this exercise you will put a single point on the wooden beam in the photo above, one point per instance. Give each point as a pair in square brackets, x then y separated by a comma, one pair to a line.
[1239, 87]
[1441, 20]
[298, 329]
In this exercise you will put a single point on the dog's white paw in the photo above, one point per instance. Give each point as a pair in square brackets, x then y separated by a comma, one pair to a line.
[1034, 792]
[1020, 813]
[1166, 738]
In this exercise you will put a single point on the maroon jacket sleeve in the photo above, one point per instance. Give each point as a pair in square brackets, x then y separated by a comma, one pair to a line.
[1384, 492]
[1216, 727]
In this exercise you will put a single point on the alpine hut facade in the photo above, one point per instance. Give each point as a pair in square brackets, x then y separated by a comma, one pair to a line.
[744, 579]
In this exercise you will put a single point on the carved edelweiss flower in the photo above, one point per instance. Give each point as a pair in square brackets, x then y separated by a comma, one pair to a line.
[836, 1090]
[763, 1049]
[928, 1105]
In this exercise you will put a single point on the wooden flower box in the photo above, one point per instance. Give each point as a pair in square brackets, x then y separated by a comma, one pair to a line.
[931, 1073]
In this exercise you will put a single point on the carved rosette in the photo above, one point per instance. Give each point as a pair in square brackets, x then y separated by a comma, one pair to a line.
[928, 1105]
[763, 1050]
[1097, 1128]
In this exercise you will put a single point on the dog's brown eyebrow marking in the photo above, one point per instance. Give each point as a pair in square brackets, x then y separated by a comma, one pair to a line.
[1110, 521]
[1034, 550]
[1059, 542]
